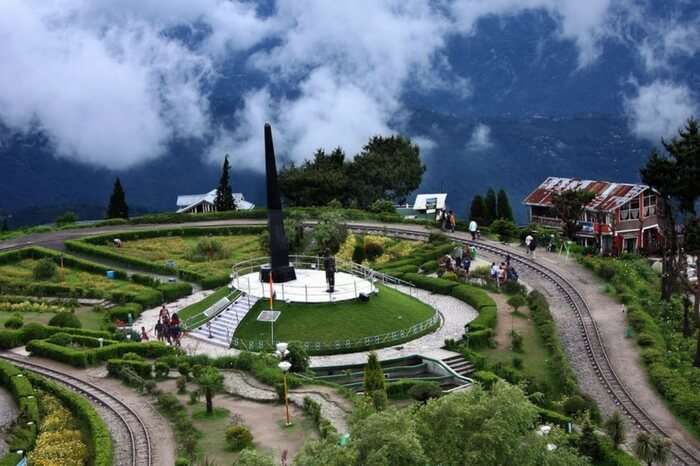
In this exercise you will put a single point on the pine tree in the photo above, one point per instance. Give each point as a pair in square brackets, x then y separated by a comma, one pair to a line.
[374, 375]
[117, 202]
[503, 208]
[478, 211]
[224, 195]
[491, 206]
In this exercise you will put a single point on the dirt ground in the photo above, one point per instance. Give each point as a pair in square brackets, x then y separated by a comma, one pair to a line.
[8, 413]
[503, 326]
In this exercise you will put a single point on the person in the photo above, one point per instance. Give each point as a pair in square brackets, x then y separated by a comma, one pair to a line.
[494, 271]
[453, 221]
[466, 264]
[472, 252]
[512, 274]
[329, 266]
[159, 330]
[532, 246]
[443, 220]
[502, 276]
[528, 242]
[144, 334]
[164, 313]
[458, 254]
[473, 227]
[507, 260]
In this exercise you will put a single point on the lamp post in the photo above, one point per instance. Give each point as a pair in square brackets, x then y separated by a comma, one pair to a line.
[282, 353]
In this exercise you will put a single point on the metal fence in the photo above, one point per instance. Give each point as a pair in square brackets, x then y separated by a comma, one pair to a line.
[385, 339]
[240, 278]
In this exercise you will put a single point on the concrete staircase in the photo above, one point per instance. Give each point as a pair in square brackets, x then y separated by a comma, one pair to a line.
[224, 325]
[460, 365]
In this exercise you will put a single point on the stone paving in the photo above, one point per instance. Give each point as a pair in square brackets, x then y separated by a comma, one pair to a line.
[8, 413]
[149, 317]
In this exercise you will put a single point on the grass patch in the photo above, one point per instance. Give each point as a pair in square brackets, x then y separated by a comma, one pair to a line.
[387, 311]
[203, 305]
[162, 249]
[90, 319]
[200, 413]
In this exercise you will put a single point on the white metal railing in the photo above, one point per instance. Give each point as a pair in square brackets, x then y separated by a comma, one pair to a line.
[385, 339]
[251, 266]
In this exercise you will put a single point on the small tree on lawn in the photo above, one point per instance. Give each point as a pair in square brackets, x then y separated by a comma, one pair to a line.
[224, 194]
[117, 207]
[374, 381]
[211, 382]
[569, 205]
[516, 302]
[615, 428]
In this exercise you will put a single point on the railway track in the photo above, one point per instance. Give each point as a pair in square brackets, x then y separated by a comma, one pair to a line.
[595, 348]
[132, 443]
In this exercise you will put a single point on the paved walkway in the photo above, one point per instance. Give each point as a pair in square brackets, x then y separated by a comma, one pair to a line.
[8, 413]
[149, 318]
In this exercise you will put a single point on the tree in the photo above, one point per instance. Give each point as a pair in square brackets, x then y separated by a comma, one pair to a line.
[503, 208]
[374, 375]
[318, 181]
[478, 211]
[569, 205]
[615, 428]
[589, 445]
[325, 453]
[424, 391]
[211, 382]
[652, 448]
[66, 218]
[117, 207]
[692, 246]
[388, 438]
[387, 168]
[491, 206]
[330, 232]
[298, 357]
[224, 195]
[516, 302]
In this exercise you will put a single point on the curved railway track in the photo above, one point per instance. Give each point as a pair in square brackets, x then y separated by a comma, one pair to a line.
[597, 353]
[131, 440]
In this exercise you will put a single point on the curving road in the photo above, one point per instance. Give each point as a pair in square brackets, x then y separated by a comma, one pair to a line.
[615, 379]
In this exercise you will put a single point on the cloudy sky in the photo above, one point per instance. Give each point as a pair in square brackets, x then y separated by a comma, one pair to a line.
[112, 83]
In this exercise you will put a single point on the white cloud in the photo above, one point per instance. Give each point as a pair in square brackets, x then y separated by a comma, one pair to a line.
[113, 97]
[480, 138]
[659, 109]
[425, 144]
[668, 40]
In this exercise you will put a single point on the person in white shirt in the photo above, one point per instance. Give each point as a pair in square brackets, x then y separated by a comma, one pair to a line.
[472, 229]
[528, 242]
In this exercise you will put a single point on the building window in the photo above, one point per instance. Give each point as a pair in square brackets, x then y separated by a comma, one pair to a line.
[649, 204]
[630, 211]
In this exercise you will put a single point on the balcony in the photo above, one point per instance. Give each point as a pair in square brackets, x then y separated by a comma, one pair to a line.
[551, 222]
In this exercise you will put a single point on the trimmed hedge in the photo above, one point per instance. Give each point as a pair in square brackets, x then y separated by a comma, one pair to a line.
[549, 416]
[142, 368]
[122, 312]
[174, 291]
[21, 437]
[88, 357]
[399, 390]
[99, 441]
[486, 378]
[435, 285]
[479, 338]
[12, 338]
[408, 268]
[475, 297]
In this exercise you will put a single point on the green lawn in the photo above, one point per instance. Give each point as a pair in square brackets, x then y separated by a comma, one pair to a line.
[165, 248]
[21, 271]
[201, 306]
[385, 312]
[90, 319]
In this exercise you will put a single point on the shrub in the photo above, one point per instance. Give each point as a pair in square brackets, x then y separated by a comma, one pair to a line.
[486, 378]
[382, 206]
[435, 285]
[62, 339]
[513, 288]
[65, 319]
[298, 357]
[14, 322]
[206, 249]
[181, 385]
[516, 302]
[45, 269]
[475, 297]
[380, 400]
[424, 391]
[517, 362]
[161, 369]
[142, 368]
[238, 437]
[373, 250]
[516, 341]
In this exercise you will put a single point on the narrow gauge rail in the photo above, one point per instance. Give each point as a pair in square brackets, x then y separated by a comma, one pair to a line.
[589, 330]
[139, 452]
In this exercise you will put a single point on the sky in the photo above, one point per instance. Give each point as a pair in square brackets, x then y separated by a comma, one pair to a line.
[113, 83]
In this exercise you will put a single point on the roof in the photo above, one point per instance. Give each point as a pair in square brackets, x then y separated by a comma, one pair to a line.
[188, 201]
[609, 195]
[422, 201]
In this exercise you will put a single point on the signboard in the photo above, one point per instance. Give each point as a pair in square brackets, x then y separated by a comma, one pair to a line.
[587, 227]
[431, 203]
[268, 316]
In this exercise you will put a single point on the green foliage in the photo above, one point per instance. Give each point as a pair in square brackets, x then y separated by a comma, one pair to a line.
[424, 391]
[388, 438]
[373, 250]
[118, 207]
[141, 368]
[14, 322]
[161, 370]
[358, 253]
[318, 181]
[66, 218]
[491, 206]
[505, 229]
[516, 341]
[382, 206]
[374, 375]
[45, 269]
[298, 357]
[436, 285]
[65, 319]
[238, 437]
[516, 302]
[206, 249]
[615, 428]
[211, 381]
[224, 194]
[330, 233]
[325, 453]
[589, 445]
[652, 448]
[503, 209]
[250, 457]
[478, 210]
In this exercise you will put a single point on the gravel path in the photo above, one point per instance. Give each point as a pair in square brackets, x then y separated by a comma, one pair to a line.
[8, 413]
[334, 407]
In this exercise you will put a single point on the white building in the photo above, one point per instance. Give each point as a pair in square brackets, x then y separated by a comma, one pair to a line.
[202, 203]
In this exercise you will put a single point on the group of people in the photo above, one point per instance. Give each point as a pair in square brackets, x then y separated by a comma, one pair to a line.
[447, 220]
[459, 262]
[168, 327]
[504, 272]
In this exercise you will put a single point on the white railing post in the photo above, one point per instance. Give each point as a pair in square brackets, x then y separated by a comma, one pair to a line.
[282, 291]
[355, 283]
[306, 293]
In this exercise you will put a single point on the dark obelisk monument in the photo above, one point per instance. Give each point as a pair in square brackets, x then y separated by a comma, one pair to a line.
[280, 268]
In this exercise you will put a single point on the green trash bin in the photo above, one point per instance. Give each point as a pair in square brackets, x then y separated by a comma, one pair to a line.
[344, 440]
